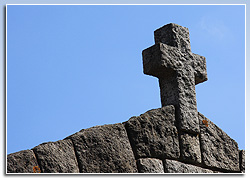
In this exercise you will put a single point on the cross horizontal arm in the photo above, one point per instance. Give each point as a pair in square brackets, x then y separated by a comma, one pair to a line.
[200, 68]
[160, 59]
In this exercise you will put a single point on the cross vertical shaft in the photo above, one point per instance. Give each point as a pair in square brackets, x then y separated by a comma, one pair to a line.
[179, 90]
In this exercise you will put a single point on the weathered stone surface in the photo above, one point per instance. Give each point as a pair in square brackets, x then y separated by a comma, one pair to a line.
[190, 148]
[104, 149]
[57, 157]
[172, 166]
[242, 161]
[154, 134]
[150, 165]
[217, 148]
[179, 90]
[173, 35]
[160, 60]
[178, 70]
[21, 162]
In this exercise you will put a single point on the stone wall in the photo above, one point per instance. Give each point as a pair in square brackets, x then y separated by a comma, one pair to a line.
[149, 143]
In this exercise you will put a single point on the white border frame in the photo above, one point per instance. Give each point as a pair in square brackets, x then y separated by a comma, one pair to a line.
[116, 5]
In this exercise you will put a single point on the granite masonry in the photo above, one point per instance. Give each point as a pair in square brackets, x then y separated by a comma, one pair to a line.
[175, 138]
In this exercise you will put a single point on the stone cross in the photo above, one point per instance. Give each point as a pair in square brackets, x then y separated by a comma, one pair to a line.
[178, 71]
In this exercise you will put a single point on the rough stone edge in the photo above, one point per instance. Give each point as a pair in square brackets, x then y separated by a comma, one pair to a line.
[9, 173]
[74, 149]
[242, 161]
[195, 157]
[154, 161]
[134, 147]
[217, 169]
[83, 130]
[39, 162]
[187, 165]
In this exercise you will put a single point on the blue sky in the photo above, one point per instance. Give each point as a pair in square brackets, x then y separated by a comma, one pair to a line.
[74, 67]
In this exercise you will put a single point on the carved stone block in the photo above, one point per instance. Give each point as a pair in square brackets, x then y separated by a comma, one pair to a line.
[190, 148]
[104, 149]
[172, 166]
[217, 148]
[150, 165]
[21, 162]
[57, 157]
[154, 134]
